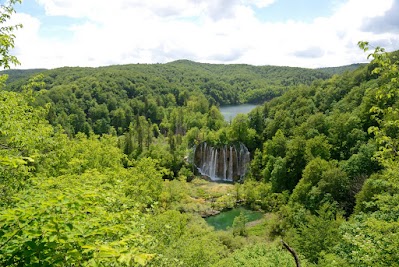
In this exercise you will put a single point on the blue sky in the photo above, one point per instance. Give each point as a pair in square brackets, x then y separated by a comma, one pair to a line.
[298, 10]
[304, 33]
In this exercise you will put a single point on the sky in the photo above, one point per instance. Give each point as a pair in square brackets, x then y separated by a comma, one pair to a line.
[300, 33]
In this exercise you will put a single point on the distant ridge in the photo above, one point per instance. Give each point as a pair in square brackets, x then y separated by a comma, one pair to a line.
[222, 84]
[16, 74]
[341, 69]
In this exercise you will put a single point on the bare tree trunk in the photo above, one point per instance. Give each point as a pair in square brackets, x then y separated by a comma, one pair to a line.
[293, 253]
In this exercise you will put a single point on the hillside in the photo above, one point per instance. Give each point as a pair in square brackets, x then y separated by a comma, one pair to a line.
[17, 74]
[342, 69]
[84, 99]
[223, 84]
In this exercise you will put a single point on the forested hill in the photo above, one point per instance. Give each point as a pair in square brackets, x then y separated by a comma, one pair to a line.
[341, 69]
[85, 99]
[16, 74]
[222, 84]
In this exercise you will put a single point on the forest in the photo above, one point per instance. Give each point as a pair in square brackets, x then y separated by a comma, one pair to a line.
[95, 165]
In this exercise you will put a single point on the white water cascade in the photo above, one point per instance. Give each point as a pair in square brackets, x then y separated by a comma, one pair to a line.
[226, 163]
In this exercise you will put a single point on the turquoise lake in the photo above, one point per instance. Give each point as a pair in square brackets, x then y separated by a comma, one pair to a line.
[225, 219]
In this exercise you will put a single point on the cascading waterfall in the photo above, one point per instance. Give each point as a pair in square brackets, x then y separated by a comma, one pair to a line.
[224, 164]
[227, 163]
[231, 163]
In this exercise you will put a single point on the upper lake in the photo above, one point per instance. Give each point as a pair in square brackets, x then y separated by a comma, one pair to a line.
[229, 112]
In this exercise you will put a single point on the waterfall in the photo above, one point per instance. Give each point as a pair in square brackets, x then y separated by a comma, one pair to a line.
[231, 164]
[226, 163]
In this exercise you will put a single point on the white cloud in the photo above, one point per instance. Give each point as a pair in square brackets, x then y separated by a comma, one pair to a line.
[262, 3]
[218, 31]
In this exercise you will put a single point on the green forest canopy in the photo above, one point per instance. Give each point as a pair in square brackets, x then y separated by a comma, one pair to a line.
[85, 99]
[93, 173]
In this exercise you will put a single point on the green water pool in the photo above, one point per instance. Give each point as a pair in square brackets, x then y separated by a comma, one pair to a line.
[225, 219]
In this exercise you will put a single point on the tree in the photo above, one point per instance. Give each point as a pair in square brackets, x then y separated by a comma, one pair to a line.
[295, 159]
[278, 177]
[215, 119]
[260, 255]
[370, 237]
[75, 220]
[318, 233]
[239, 128]
[317, 147]
[7, 36]
[322, 182]
[239, 227]
[24, 135]
[385, 112]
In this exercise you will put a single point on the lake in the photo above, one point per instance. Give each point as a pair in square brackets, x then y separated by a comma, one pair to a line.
[225, 219]
[229, 112]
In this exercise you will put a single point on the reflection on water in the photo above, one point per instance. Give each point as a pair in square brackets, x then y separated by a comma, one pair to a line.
[229, 112]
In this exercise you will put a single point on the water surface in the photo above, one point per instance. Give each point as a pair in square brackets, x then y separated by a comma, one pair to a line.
[229, 112]
[225, 219]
